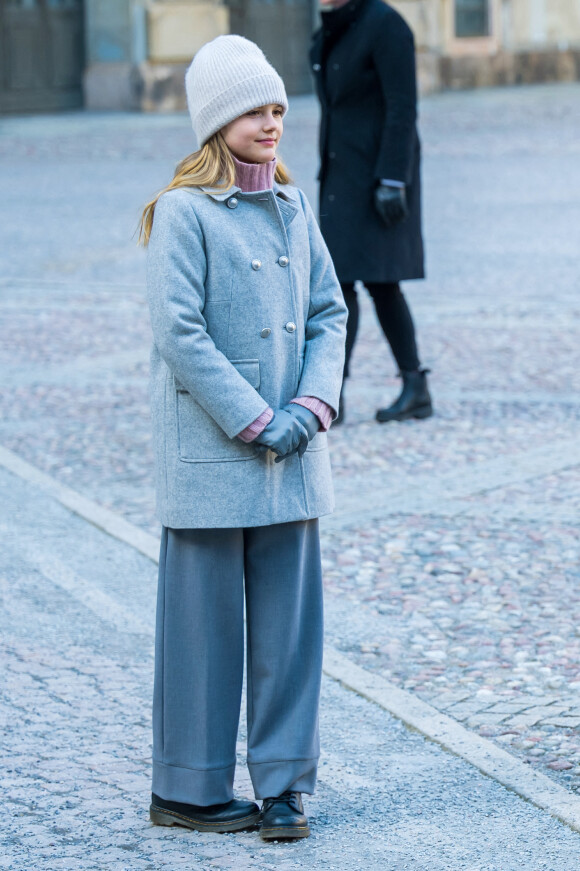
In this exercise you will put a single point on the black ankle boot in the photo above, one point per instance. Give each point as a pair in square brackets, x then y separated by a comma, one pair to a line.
[283, 818]
[232, 816]
[413, 401]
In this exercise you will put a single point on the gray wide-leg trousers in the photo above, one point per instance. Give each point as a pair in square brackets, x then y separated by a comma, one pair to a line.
[199, 656]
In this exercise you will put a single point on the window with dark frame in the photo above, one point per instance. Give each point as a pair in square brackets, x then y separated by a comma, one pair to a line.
[471, 18]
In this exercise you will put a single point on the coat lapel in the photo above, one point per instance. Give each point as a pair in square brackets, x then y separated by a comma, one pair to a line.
[286, 205]
[316, 65]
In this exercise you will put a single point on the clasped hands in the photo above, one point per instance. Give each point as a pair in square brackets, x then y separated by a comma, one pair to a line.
[289, 431]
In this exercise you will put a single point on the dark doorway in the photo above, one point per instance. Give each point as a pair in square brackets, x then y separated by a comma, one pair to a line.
[41, 55]
[282, 29]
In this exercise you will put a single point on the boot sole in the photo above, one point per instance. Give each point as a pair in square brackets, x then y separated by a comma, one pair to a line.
[161, 817]
[285, 833]
[419, 413]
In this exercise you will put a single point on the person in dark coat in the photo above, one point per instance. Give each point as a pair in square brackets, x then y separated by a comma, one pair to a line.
[363, 60]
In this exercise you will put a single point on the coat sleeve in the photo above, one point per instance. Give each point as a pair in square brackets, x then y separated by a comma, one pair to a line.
[176, 272]
[394, 60]
[326, 322]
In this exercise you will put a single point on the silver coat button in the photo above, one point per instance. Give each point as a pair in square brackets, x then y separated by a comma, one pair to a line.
[331, 197]
[232, 203]
[256, 264]
[316, 67]
[265, 332]
[283, 261]
[290, 327]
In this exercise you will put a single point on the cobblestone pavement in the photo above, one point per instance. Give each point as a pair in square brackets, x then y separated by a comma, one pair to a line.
[452, 563]
[77, 665]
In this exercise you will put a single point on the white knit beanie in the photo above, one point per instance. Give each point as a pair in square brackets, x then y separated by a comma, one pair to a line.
[227, 77]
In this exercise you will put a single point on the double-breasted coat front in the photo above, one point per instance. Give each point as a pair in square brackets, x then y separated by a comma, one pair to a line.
[246, 313]
[363, 61]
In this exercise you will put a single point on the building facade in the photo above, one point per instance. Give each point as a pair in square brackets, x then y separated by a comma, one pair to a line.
[481, 43]
[132, 54]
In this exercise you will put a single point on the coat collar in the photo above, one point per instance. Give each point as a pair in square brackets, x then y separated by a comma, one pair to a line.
[221, 196]
[286, 202]
[336, 21]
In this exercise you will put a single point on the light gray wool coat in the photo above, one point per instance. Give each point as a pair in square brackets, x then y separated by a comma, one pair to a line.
[247, 313]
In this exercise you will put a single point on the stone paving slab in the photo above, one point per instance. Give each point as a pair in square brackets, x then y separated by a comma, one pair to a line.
[76, 759]
[443, 729]
[465, 576]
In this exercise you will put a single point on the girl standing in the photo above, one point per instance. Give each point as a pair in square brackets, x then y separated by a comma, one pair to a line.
[248, 347]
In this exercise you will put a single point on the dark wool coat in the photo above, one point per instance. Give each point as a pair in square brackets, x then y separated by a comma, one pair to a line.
[363, 60]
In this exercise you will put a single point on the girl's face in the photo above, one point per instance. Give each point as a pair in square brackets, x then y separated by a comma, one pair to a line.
[254, 136]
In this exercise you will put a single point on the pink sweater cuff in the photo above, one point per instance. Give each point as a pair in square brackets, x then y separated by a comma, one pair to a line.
[322, 411]
[259, 425]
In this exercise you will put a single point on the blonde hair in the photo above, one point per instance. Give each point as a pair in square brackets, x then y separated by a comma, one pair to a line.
[211, 166]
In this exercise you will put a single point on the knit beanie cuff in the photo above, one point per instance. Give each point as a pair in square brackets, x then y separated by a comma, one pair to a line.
[241, 97]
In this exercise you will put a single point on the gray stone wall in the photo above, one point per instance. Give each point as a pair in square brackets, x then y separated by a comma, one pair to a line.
[137, 51]
[111, 36]
[503, 68]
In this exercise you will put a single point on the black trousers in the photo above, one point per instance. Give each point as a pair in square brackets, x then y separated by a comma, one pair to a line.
[394, 317]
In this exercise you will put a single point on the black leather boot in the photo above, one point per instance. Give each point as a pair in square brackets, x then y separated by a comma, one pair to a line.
[232, 816]
[283, 817]
[413, 401]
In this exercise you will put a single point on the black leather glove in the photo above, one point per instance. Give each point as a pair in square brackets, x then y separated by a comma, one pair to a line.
[284, 435]
[391, 204]
[306, 417]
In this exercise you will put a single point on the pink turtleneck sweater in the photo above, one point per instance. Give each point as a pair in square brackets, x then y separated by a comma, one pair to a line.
[252, 177]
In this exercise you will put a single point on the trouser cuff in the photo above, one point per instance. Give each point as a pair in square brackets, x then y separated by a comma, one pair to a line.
[192, 785]
[273, 778]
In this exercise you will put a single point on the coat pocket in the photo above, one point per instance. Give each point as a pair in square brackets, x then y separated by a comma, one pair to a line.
[200, 439]
[318, 443]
